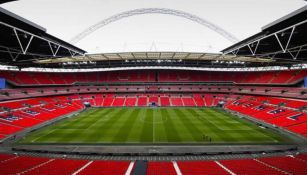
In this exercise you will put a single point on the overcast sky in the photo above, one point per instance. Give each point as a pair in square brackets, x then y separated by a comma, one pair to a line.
[153, 32]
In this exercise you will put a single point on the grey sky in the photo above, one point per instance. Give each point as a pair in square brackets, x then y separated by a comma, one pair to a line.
[66, 18]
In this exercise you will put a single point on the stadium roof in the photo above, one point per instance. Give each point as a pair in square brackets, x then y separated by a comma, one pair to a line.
[26, 44]
[128, 59]
[23, 41]
[284, 40]
[5, 1]
[153, 55]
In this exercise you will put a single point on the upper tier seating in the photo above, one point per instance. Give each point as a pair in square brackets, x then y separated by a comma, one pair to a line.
[42, 78]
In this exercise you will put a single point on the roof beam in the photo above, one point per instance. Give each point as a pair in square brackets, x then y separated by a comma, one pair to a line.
[24, 49]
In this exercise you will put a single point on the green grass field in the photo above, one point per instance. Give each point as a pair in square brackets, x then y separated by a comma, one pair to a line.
[154, 126]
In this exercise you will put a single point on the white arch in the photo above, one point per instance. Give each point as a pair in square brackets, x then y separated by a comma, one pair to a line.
[142, 11]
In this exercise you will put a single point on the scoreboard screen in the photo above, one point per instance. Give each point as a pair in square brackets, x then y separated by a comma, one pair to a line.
[2, 83]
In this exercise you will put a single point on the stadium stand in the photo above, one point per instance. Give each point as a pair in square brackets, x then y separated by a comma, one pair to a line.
[165, 101]
[288, 164]
[142, 101]
[130, 101]
[155, 168]
[56, 166]
[15, 164]
[244, 166]
[176, 101]
[10, 94]
[288, 116]
[17, 116]
[41, 78]
[188, 101]
[201, 167]
[105, 168]
[20, 164]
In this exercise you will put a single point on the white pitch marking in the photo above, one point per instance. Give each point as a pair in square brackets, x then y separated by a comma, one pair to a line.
[44, 135]
[153, 128]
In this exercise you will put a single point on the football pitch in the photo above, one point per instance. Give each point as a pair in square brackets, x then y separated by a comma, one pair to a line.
[154, 126]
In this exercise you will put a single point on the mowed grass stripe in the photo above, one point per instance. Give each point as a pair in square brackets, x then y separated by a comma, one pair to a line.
[193, 130]
[77, 136]
[85, 121]
[104, 124]
[147, 130]
[85, 115]
[59, 132]
[169, 127]
[136, 130]
[125, 129]
[243, 130]
[209, 129]
[216, 121]
[158, 130]
[183, 132]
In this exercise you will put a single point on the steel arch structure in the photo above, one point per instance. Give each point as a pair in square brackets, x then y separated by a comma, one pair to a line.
[142, 11]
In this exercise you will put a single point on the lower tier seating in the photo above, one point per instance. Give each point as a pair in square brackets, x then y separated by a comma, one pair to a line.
[201, 167]
[292, 118]
[57, 166]
[21, 114]
[157, 168]
[105, 168]
[245, 166]
[14, 164]
[18, 118]
[287, 164]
